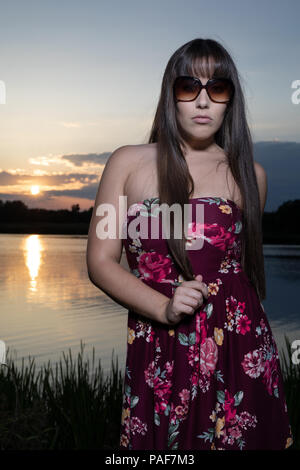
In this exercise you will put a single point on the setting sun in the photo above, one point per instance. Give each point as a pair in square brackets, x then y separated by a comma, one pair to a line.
[35, 189]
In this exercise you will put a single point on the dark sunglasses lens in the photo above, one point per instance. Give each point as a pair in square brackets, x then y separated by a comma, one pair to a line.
[186, 89]
[220, 91]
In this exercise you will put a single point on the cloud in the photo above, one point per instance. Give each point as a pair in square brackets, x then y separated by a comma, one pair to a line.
[88, 158]
[45, 160]
[281, 161]
[86, 192]
[78, 160]
[7, 179]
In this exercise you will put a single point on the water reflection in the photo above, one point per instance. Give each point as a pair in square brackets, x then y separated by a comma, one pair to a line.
[48, 304]
[32, 253]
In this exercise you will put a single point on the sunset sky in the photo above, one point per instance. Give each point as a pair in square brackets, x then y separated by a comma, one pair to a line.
[83, 78]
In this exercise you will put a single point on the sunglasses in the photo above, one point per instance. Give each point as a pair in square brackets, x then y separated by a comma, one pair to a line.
[219, 90]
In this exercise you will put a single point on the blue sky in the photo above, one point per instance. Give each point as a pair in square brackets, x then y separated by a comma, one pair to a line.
[83, 78]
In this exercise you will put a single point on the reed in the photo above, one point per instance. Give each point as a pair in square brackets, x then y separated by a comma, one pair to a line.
[291, 379]
[73, 406]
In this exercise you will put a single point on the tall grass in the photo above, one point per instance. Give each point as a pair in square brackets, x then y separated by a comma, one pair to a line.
[73, 408]
[291, 380]
[76, 408]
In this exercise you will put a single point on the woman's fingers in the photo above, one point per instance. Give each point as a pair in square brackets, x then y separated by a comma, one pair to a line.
[203, 285]
[196, 284]
[188, 296]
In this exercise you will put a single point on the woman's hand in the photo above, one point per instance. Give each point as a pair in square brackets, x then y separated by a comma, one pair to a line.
[186, 299]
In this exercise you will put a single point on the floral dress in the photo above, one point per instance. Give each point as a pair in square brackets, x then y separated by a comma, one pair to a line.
[213, 381]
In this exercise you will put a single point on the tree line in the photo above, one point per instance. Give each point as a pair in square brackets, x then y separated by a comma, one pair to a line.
[282, 225]
[18, 212]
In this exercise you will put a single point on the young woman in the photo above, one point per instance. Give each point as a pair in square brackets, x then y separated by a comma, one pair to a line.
[202, 366]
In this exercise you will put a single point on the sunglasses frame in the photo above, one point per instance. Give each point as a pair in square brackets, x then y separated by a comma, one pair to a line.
[208, 83]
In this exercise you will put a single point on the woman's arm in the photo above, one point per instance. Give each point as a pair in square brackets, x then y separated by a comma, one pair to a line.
[103, 255]
[127, 290]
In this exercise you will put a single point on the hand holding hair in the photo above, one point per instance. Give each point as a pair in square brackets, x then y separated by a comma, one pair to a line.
[188, 296]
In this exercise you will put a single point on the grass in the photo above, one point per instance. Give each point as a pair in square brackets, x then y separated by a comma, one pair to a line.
[291, 381]
[73, 408]
[76, 408]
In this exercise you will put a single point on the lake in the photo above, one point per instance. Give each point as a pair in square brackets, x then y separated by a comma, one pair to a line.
[48, 304]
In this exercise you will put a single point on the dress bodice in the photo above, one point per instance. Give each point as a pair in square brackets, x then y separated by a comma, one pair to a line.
[213, 244]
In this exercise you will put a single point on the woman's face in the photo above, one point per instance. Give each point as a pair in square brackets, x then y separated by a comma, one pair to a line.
[196, 133]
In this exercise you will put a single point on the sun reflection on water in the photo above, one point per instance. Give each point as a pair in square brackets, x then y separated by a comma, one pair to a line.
[32, 252]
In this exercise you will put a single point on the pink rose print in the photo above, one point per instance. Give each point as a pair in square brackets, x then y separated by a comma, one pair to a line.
[215, 234]
[220, 237]
[270, 376]
[264, 361]
[208, 356]
[154, 266]
[253, 363]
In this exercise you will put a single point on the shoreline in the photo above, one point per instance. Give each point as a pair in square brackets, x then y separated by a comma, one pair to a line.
[52, 228]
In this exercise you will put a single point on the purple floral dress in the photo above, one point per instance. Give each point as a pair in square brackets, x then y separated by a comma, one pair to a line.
[212, 381]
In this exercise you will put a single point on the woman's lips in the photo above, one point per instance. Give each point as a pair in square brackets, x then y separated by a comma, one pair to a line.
[201, 120]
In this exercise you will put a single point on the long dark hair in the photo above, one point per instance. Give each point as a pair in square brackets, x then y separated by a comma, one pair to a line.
[206, 57]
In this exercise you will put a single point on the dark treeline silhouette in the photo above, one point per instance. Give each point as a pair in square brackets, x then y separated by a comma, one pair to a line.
[18, 212]
[280, 226]
[16, 217]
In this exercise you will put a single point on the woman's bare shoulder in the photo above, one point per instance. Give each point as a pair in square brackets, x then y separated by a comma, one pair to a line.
[141, 173]
[132, 154]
